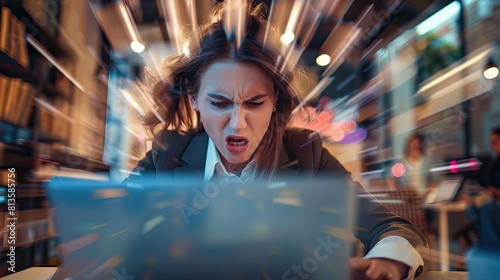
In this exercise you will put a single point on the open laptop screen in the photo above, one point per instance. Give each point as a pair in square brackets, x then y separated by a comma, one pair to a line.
[448, 189]
[186, 230]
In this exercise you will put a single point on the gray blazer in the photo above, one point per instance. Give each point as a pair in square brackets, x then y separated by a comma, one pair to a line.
[303, 155]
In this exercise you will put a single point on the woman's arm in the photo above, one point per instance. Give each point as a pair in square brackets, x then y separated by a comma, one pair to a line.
[375, 222]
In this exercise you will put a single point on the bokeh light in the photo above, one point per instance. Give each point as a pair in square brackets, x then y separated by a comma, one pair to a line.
[287, 38]
[473, 164]
[137, 47]
[337, 135]
[453, 166]
[491, 73]
[323, 60]
[398, 170]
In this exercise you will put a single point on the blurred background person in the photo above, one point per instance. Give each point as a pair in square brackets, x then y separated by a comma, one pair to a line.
[417, 166]
[486, 208]
[490, 177]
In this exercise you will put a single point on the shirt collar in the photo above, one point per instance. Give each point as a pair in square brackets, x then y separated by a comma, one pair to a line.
[214, 166]
[212, 159]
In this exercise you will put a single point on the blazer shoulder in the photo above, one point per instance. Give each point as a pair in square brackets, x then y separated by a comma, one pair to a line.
[164, 139]
[303, 139]
[168, 145]
[305, 146]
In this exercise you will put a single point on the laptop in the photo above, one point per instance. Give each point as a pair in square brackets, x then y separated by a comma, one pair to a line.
[447, 190]
[182, 229]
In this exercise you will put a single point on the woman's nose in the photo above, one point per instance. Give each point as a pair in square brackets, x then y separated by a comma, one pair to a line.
[237, 121]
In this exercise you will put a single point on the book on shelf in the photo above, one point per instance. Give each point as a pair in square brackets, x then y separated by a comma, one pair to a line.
[44, 119]
[21, 45]
[62, 129]
[13, 37]
[4, 177]
[17, 177]
[53, 118]
[16, 98]
[12, 98]
[25, 104]
[4, 89]
[4, 30]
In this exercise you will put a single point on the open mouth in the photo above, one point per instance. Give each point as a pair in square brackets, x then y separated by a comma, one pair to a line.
[236, 143]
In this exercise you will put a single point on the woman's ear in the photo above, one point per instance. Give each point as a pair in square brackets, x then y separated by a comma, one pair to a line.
[194, 105]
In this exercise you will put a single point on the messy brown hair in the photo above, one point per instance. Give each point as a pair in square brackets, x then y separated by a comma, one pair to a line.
[184, 73]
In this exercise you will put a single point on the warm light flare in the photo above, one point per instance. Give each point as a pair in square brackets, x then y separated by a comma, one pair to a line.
[287, 38]
[323, 60]
[491, 73]
[137, 47]
[337, 135]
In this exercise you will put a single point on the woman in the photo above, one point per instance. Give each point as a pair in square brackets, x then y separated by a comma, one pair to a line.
[488, 214]
[491, 174]
[418, 165]
[226, 113]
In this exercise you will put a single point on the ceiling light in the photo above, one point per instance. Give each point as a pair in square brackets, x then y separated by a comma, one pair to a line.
[185, 49]
[490, 70]
[323, 60]
[137, 47]
[287, 37]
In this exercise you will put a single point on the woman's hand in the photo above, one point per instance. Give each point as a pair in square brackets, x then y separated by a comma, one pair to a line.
[495, 192]
[378, 269]
[467, 199]
[429, 190]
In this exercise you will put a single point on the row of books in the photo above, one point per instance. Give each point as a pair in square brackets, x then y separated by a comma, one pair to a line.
[13, 37]
[16, 99]
[54, 118]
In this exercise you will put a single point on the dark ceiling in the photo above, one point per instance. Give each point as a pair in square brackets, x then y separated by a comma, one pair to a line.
[387, 20]
[410, 10]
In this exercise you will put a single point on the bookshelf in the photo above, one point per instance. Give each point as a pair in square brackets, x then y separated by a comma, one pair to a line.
[43, 94]
[11, 68]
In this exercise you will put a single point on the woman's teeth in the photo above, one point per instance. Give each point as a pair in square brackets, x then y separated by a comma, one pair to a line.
[237, 142]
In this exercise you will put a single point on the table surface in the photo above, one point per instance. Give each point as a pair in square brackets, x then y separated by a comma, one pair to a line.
[443, 275]
[45, 273]
[448, 206]
[34, 273]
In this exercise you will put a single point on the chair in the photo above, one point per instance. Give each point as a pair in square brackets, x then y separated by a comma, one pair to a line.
[405, 202]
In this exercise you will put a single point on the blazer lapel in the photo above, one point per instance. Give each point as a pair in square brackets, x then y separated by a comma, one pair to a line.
[194, 158]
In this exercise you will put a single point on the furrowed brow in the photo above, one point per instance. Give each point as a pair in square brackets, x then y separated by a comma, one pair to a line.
[257, 97]
[218, 95]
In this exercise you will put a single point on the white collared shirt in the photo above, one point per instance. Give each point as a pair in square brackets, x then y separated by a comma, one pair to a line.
[214, 167]
[392, 247]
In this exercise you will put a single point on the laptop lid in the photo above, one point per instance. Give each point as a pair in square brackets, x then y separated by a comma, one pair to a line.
[447, 190]
[187, 230]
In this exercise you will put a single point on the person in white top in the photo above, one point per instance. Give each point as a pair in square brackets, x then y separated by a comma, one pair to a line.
[418, 166]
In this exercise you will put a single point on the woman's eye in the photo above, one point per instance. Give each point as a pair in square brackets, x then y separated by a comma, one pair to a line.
[255, 104]
[222, 104]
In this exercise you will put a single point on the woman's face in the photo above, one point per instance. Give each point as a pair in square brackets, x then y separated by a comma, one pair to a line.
[415, 145]
[236, 102]
[495, 143]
